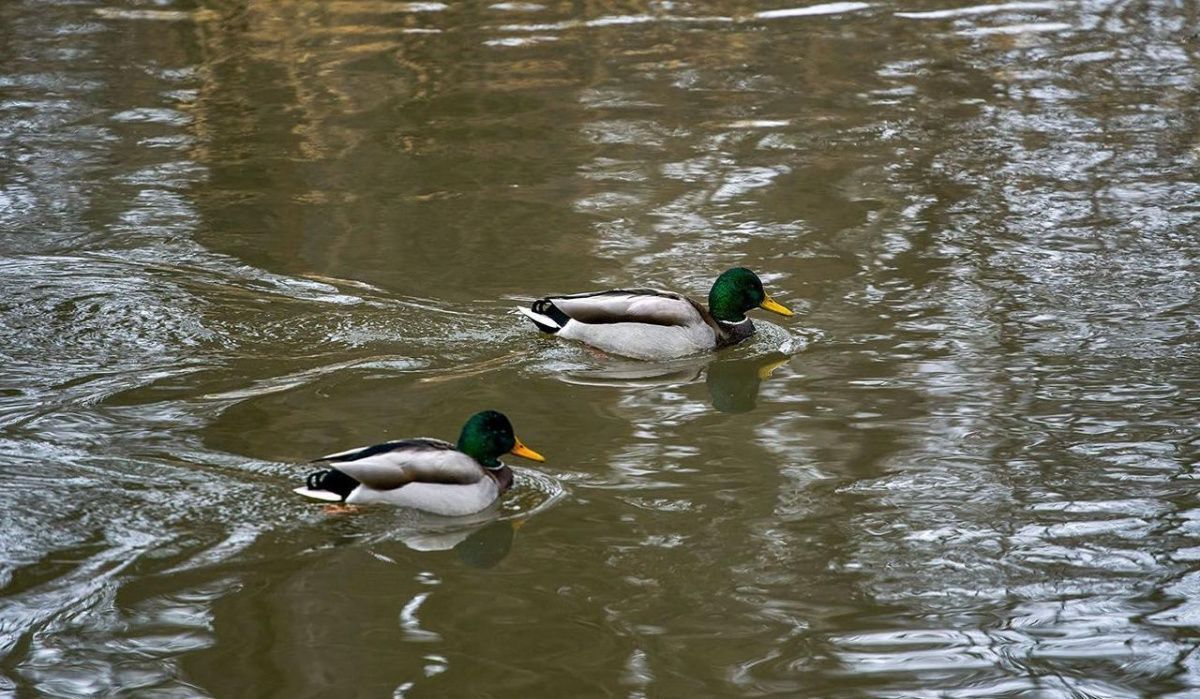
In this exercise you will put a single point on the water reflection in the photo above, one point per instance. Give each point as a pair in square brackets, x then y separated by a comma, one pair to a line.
[733, 385]
[487, 546]
[733, 382]
[478, 541]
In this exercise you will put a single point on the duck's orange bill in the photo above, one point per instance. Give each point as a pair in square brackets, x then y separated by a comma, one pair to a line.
[522, 450]
[770, 304]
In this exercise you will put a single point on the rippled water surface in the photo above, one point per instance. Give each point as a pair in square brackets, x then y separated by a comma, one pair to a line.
[237, 234]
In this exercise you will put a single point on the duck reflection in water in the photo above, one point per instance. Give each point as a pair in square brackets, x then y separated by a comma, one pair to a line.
[479, 545]
[488, 545]
[480, 541]
[733, 384]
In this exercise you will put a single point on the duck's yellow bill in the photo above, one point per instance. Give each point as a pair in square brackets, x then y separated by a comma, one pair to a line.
[770, 304]
[522, 450]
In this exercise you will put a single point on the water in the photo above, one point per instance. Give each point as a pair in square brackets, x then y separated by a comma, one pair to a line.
[238, 234]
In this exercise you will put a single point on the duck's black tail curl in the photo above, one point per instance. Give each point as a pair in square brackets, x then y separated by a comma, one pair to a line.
[546, 316]
[547, 308]
[333, 481]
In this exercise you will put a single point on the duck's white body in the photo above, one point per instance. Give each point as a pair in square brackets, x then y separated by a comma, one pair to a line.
[640, 323]
[641, 341]
[448, 500]
[424, 474]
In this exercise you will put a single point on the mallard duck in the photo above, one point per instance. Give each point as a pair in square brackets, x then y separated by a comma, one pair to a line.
[653, 324]
[423, 473]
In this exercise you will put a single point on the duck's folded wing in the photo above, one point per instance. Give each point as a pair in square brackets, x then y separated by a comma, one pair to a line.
[394, 464]
[630, 306]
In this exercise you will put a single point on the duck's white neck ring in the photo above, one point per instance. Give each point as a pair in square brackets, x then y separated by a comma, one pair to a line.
[735, 322]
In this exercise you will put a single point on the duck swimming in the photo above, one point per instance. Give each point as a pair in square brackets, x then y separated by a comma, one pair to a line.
[654, 324]
[425, 474]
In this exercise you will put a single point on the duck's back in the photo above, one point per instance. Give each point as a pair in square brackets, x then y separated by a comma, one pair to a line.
[401, 463]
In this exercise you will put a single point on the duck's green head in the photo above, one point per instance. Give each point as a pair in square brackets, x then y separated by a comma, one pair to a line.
[488, 435]
[739, 290]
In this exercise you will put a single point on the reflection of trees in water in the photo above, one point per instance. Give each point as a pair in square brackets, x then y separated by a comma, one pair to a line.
[299, 100]
[487, 121]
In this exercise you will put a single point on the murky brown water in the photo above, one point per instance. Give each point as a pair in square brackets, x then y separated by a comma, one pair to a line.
[235, 234]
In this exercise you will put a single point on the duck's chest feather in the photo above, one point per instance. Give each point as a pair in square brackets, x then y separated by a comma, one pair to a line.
[732, 333]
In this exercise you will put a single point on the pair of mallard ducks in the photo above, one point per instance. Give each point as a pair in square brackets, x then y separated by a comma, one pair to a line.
[463, 478]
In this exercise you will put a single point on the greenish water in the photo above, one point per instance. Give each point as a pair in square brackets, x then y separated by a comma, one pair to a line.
[237, 234]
